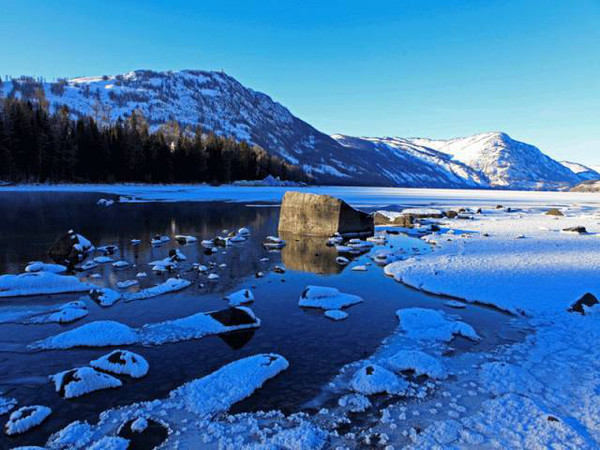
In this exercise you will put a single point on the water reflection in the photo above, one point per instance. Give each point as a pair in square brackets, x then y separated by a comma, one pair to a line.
[309, 254]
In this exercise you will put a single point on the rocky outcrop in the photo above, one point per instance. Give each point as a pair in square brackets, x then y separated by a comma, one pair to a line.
[321, 215]
[554, 212]
[587, 186]
[393, 218]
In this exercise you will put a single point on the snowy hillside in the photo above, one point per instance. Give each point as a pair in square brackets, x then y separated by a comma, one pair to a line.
[408, 164]
[583, 172]
[221, 104]
[506, 162]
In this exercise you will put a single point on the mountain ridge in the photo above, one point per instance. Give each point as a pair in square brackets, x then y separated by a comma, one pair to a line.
[219, 103]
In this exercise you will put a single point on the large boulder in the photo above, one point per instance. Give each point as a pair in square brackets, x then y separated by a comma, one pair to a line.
[321, 215]
[70, 249]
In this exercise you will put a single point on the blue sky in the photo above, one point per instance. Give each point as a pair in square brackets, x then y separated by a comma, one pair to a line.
[434, 68]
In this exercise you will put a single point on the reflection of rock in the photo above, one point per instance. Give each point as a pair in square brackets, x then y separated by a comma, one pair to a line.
[144, 433]
[237, 339]
[321, 215]
[309, 254]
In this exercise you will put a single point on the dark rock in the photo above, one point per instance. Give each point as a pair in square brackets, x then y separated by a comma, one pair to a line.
[580, 230]
[150, 437]
[69, 250]
[321, 215]
[499, 206]
[554, 212]
[451, 214]
[588, 300]
[403, 220]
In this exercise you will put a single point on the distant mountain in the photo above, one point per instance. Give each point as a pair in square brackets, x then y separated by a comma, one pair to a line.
[507, 163]
[219, 103]
[583, 172]
[408, 164]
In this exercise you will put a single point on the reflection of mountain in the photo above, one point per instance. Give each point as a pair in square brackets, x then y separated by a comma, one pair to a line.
[309, 254]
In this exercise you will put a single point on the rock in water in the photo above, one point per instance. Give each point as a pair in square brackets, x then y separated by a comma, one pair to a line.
[321, 215]
[70, 249]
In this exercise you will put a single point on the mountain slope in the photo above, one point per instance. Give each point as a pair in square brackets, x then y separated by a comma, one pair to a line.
[408, 164]
[506, 162]
[583, 172]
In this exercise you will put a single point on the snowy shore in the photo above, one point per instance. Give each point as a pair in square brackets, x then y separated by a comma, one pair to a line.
[355, 195]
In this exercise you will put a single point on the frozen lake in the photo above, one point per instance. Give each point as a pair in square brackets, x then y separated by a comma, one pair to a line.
[315, 346]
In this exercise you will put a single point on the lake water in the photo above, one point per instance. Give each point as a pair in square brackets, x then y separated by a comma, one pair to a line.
[315, 346]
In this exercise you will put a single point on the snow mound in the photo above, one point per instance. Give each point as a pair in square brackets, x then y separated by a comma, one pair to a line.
[94, 334]
[240, 297]
[503, 378]
[83, 380]
[122, 362]
[110, 443]
[39, 283]
[433, 325]
[39, 266]
[374, 379]
[421, 363]
[228, 385]
[25, 418]
[171, 285]
[326, 298]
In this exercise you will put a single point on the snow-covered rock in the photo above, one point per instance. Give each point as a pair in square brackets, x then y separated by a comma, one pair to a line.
[326, 298]
[122, 362]
[171, 285]
[105, 296]
[240, 297]
[374, 379]
[67, 313]
[127, 284]
[39, 283]
[83, 380]
[101, 333]
[184, 239]
[433, 325]
[39, 266]
[25, 418]
[228, 385]
[419, 362]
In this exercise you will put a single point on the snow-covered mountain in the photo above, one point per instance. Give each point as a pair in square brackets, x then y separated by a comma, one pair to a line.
[219, 103]
[584, 173]
[506, 162]
[408, 164]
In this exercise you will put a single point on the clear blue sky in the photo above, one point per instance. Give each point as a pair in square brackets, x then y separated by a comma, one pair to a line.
[435, 68]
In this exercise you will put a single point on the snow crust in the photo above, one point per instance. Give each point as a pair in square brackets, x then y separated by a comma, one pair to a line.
[39, 283]
[326, 298]
[429, 324]
[171, 285]
[25, 418]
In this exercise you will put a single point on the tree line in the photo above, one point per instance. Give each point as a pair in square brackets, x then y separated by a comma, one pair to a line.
[37, 146]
